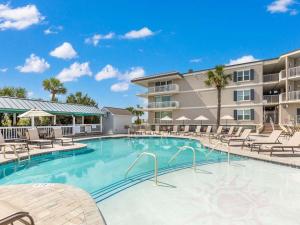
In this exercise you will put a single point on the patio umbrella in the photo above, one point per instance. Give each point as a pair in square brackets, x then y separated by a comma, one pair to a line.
[166, 118]
[34, 113]
[201, 118]
[183, 118]
[227, 117]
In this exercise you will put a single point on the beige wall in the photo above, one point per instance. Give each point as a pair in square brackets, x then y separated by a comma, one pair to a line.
[195, 96]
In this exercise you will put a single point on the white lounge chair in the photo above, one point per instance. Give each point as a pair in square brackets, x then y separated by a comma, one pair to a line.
[197, 130]
[243, 138]
[186, 130]
[218, 133]
[207, 131]
[34, 138]
[272, 139]
[58, 136]
[292, 144]
[175, 130]
[15, 146]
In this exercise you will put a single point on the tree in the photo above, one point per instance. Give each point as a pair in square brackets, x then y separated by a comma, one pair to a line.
[219, 80]
[13, 92]
[55, 87]
[79, 98]
[136, 112]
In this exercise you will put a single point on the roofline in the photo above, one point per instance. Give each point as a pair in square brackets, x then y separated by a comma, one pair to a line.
[38, 100]
[157, 76]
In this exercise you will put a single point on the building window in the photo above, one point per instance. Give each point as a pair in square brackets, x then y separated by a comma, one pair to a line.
[244, 114]
[243, 75]
[164, 98]
[243, 95]
[159, 115]
[163, 83]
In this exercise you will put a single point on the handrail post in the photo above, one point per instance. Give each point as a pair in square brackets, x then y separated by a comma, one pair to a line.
[183, 148]
[138, 158]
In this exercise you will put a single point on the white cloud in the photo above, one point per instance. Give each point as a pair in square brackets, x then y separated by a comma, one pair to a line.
[75, 71]
[106, 72]
[121, 86]
[126, 78]
[19, 18]
[243, 59]
[196, 60]
[133, 73]
[34, 64]
[282, 6]
[64, 51]
[53, 30]
[3, 70]
[136, 34]
[94, 40]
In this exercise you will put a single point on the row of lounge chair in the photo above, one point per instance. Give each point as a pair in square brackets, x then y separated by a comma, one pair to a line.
[32, 138]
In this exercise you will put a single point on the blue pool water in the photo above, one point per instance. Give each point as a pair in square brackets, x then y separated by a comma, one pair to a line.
[102, 164]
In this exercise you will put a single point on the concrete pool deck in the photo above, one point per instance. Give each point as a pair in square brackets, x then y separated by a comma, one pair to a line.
[248, 192]
[53, 204]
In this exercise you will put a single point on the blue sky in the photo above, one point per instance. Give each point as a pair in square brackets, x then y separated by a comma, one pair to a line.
[97, 46]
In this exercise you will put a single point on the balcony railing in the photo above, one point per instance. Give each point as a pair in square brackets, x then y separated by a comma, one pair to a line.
[294, 72]
[282, 74]
[291, 96]
[167, 104]
[271, 98]
[271, 77]
[163, 88]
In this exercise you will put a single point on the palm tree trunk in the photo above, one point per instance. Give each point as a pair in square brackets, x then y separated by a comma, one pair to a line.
[219, 107]
[53, 97]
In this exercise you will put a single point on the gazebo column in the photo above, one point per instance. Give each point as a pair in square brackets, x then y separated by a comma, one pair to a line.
[82, 119]
[14, 119]
[32, 121]
[73, 123]
[54, 120]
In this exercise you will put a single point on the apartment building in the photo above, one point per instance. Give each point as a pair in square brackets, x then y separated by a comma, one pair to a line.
[259, 92]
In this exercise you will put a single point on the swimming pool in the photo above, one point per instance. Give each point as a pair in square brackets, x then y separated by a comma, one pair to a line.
[100, 167]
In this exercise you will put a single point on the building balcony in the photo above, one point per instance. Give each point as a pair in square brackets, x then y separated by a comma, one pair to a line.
[271, 77]
[294, 73]
[168, 105]
[271, 99]
[292, 96]
[164, 89]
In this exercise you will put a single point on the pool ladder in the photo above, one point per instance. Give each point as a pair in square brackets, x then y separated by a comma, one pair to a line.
[138, 158]
[181, 149]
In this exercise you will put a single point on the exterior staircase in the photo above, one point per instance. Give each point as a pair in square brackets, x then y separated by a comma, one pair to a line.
[268, 128]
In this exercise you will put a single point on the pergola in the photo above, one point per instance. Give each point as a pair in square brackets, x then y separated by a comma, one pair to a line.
[17, 106]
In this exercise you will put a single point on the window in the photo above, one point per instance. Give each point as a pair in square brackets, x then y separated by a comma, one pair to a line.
[159, 115]
[164, 98]
[162, 83]
[243, 114]
[243, 95]
[243, 75]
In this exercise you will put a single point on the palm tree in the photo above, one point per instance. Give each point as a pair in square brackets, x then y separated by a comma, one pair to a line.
[219, 80]
[55, 87]
[136, 112]
[13, 92]
[79, 98]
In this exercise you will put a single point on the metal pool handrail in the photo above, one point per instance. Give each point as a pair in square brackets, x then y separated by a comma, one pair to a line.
[184, 148]
[138, 158]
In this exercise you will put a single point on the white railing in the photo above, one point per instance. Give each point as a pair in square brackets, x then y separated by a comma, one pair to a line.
[291, 96]
[167, 104]
[271, 77]
[163, 88]
[294, 72]
[282, 75]
[271, 98]
[11, 133]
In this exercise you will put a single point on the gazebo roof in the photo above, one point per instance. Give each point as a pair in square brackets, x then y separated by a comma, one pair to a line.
[10, 104]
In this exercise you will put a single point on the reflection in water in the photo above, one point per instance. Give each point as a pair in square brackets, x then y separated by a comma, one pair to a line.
[104, 162]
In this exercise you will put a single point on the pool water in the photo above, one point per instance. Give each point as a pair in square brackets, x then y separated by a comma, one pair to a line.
[103, 162]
